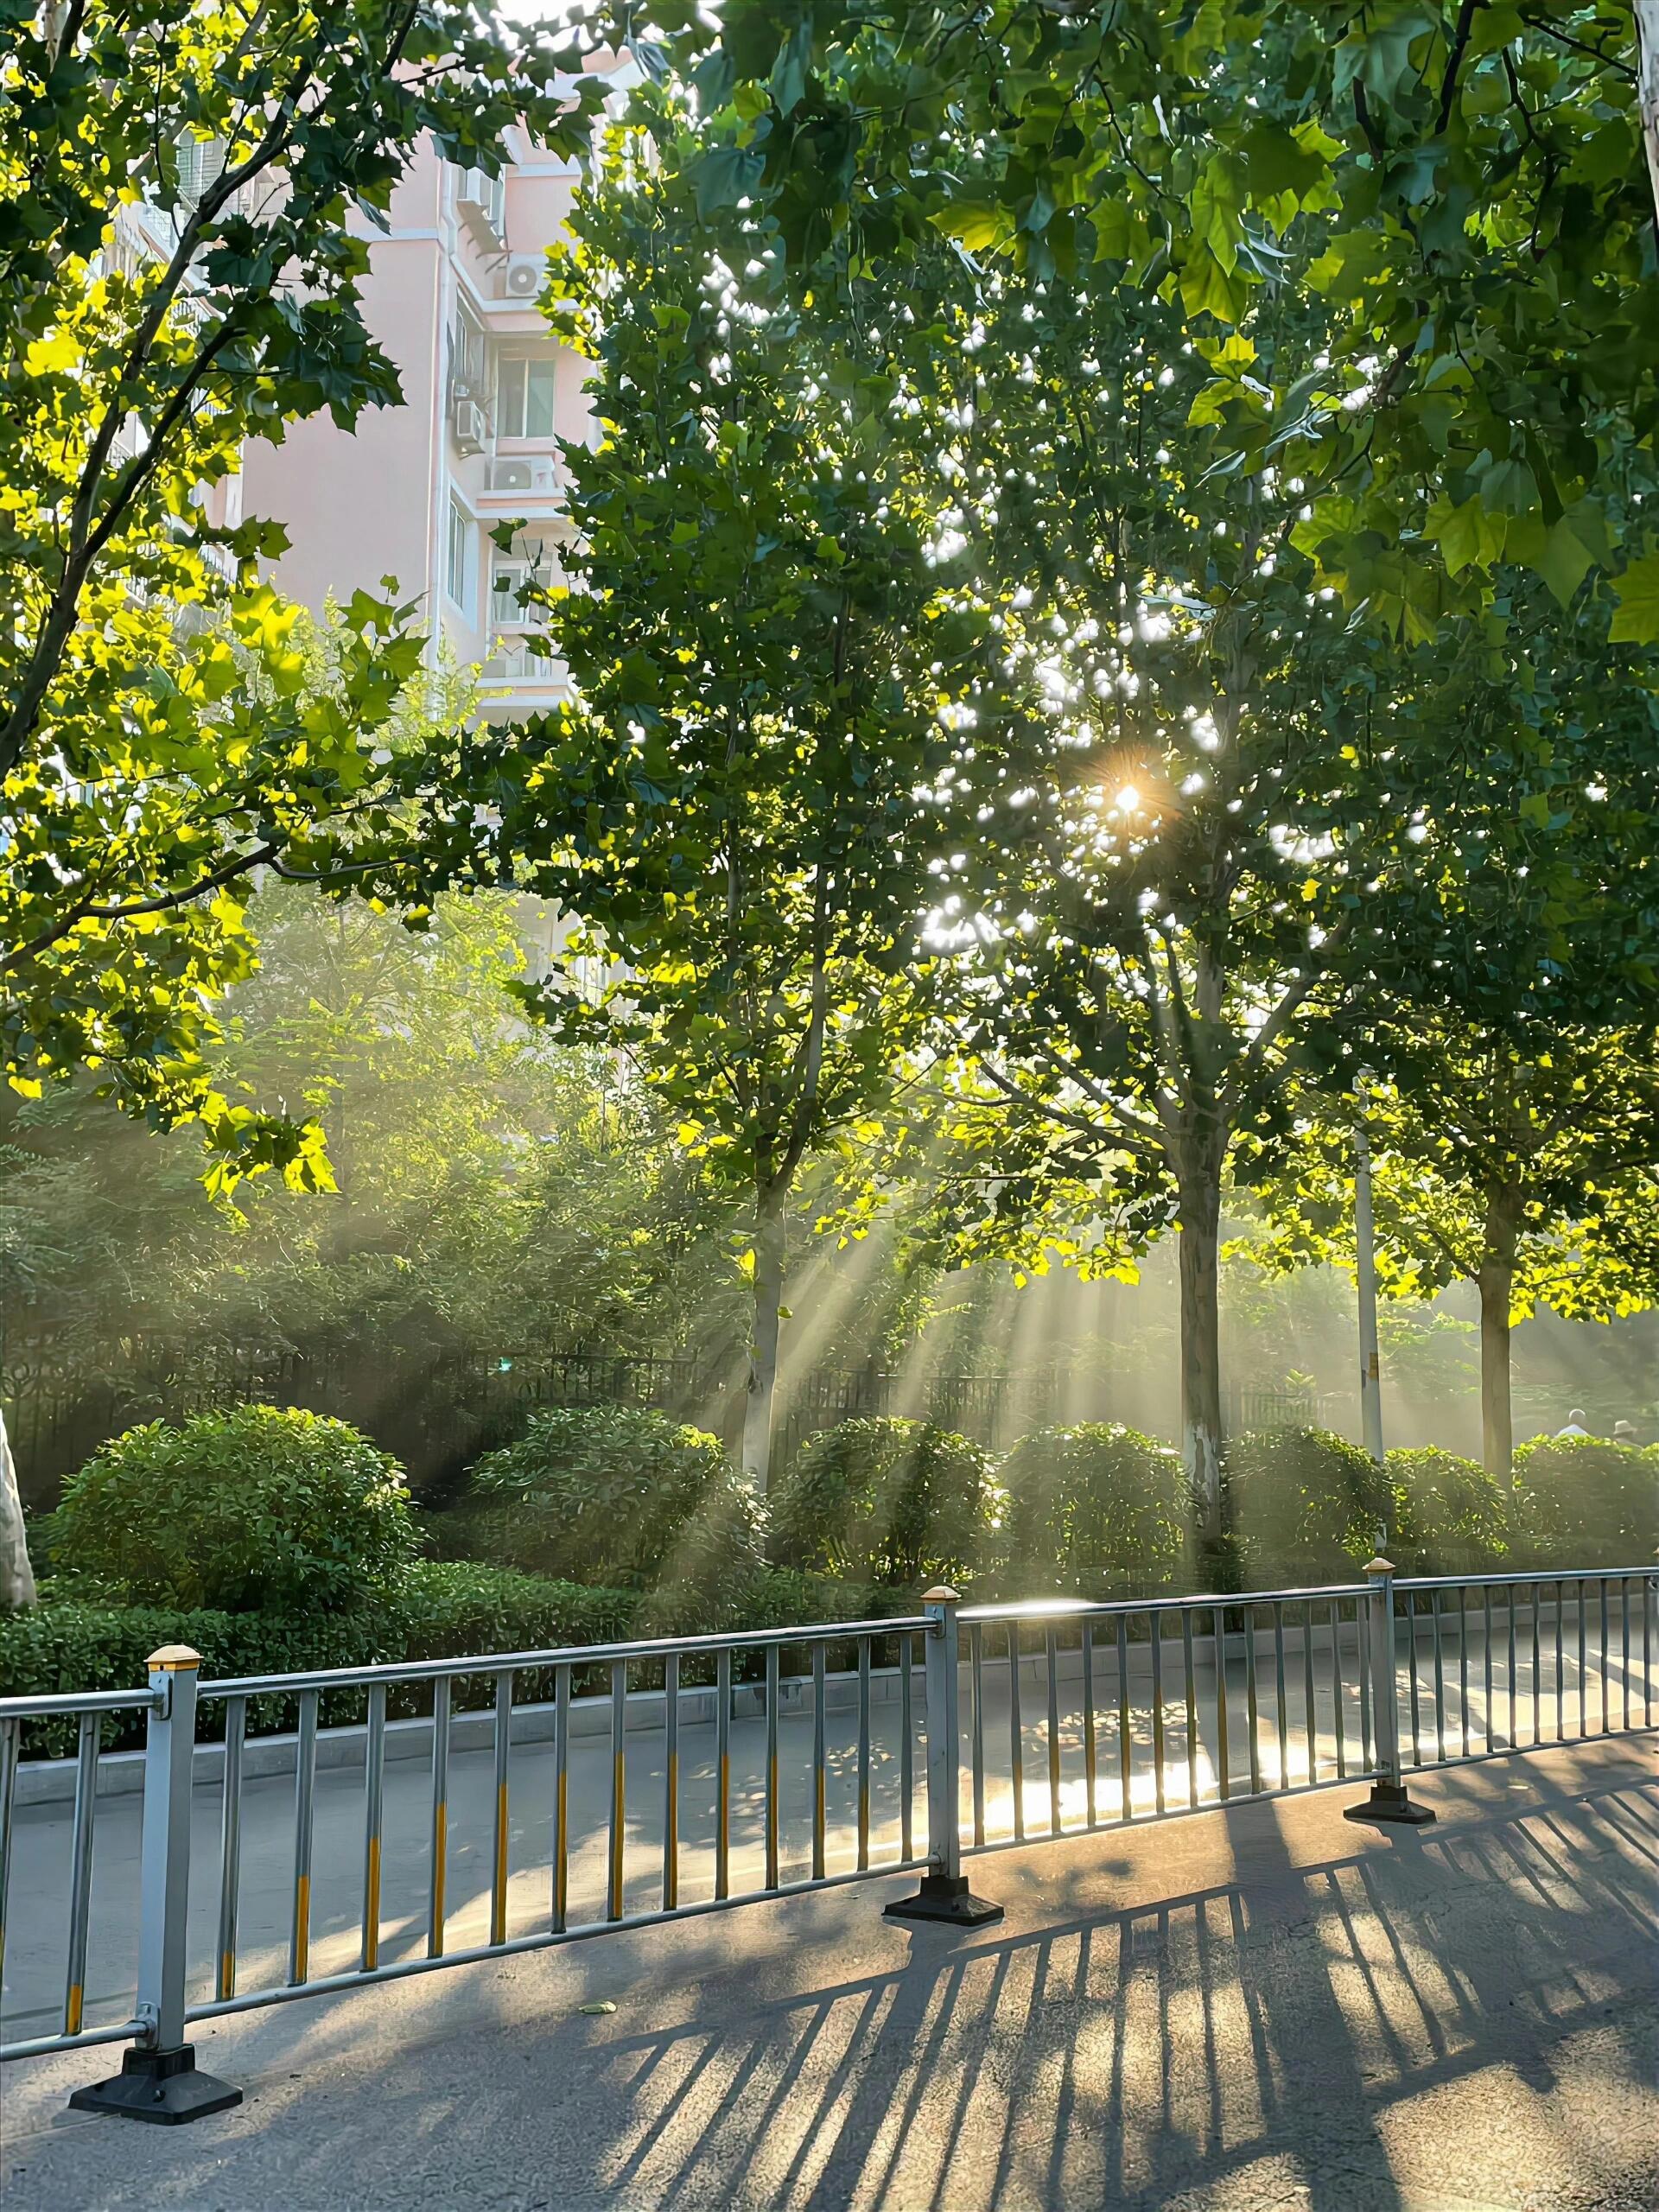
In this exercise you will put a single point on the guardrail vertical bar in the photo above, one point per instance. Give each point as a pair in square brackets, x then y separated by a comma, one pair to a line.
[501, 1834]
[437, 1873]
[1440, 1678]
[976, 1651]
[820, 1765]
[1016, 1736]
[159, 2078]
[1337, 1689]
[1509, 1620]
[1560, 1670]
[1362, 1641]
[1411, 1676]
[1191, 1685]
[671, 1781]
[1463, 1667]
[305, 1798]
[1091, 1752]
[1310, 1708]
[1283, 1716]
[618, 1787]
[1156, 1632]
[1051, 1646]
[772, 1766]
[1537, 1666]
[1389, 1800]
[722, 1774]
[560, 1799]
[863, 1753]
[1650, 1593]
[906, 1757]
[1125, 1740]
[374, 1780]
[1624, 1640]
[1219, 1631]
[1486, 1658]
[80, 1874]
[944, 1894]
[1583, 1668]
[1251, 1701]
[230, 1847]
[1601, 1588]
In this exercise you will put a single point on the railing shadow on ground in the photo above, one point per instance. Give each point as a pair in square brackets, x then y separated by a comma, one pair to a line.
[1122, 2056]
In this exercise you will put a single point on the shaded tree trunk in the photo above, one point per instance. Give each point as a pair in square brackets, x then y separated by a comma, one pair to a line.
[17, 1576]
[1201, 1426]
[769, 1234]
[1496, 1282]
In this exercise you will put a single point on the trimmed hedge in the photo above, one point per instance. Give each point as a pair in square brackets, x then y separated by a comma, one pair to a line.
[1583, 1501]
[1450, 1517]
[440, 1611]
[1305, 1505]
[260, 1508]
[902, 1504]
[618, 1495]
[1098, 1510]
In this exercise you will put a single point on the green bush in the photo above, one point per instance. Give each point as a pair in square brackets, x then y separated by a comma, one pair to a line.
[1305, 1505]
[1452, 1517]
[438, 1611]
[619, 1495]
[1098, 1509]
[900, 1503]
[260, 1508]
[1583, 1501]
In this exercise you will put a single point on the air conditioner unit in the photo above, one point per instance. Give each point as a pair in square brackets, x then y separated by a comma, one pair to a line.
[471, 428]
[510, 476]
[526, 274]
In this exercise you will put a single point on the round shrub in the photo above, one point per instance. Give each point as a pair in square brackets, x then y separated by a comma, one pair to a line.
[1583, 1501]
[617, 1495]
[1305, 1504]
[901, 1503]
[1452, 1515]
[1095, 1511]
[262, 1508]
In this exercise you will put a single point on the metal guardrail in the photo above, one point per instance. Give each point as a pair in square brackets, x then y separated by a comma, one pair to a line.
[1146, 1709]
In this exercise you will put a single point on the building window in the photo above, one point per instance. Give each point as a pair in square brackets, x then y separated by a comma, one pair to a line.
[524, 397]
[457, 555]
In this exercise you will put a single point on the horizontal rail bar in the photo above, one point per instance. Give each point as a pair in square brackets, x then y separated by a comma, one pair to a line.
[585, 1654]
[1546, 1575]
[45, 1708]
[1045, 1609]
[39, 2046]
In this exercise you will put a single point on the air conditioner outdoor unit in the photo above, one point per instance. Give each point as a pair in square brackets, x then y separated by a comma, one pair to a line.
[471, 429]
[526, 273]
[510, 476]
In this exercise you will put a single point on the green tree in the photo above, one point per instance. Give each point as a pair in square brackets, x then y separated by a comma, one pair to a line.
[767, 652]
[179, 274]
[1530, 1169]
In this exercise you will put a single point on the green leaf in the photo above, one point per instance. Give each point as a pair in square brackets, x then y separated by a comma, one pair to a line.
[724, 175]
[1636, 622]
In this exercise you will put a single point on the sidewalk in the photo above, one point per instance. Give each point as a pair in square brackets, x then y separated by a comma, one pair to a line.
[1267, 2006]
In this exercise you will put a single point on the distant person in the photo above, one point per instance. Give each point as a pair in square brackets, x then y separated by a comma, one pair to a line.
[1575, 1421]
[1623, 1432]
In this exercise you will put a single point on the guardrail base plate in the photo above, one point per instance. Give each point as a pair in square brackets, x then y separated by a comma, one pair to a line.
[164, 2086]
[1388, 1802]
[946, 1898]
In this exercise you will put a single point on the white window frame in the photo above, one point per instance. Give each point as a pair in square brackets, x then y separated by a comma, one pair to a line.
[460, 554]
[526, 366]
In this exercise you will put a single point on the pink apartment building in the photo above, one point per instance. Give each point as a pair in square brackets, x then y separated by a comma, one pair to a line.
[416, 491]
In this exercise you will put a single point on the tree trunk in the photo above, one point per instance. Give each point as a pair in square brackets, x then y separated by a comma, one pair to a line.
[1647, 89]
[763, 1349]
[1201, 1433]
[17, 1576]
[1496, 1282]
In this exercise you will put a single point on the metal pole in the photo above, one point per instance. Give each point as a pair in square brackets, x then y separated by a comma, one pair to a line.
[159, 2079]
[1370, 1368]
[944, 1894]
[1388, 1800]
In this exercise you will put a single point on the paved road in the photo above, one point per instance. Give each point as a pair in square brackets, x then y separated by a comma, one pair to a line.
[1160, 1770]
[1261, 2007]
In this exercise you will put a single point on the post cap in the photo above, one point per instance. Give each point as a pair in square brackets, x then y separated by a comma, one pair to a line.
[941, 1595]
[1379, 1566]
[173, 1659]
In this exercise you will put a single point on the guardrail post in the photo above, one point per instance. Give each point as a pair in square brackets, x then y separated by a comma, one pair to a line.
[159, 2080]
[1388, 1800]
[944, 1894]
